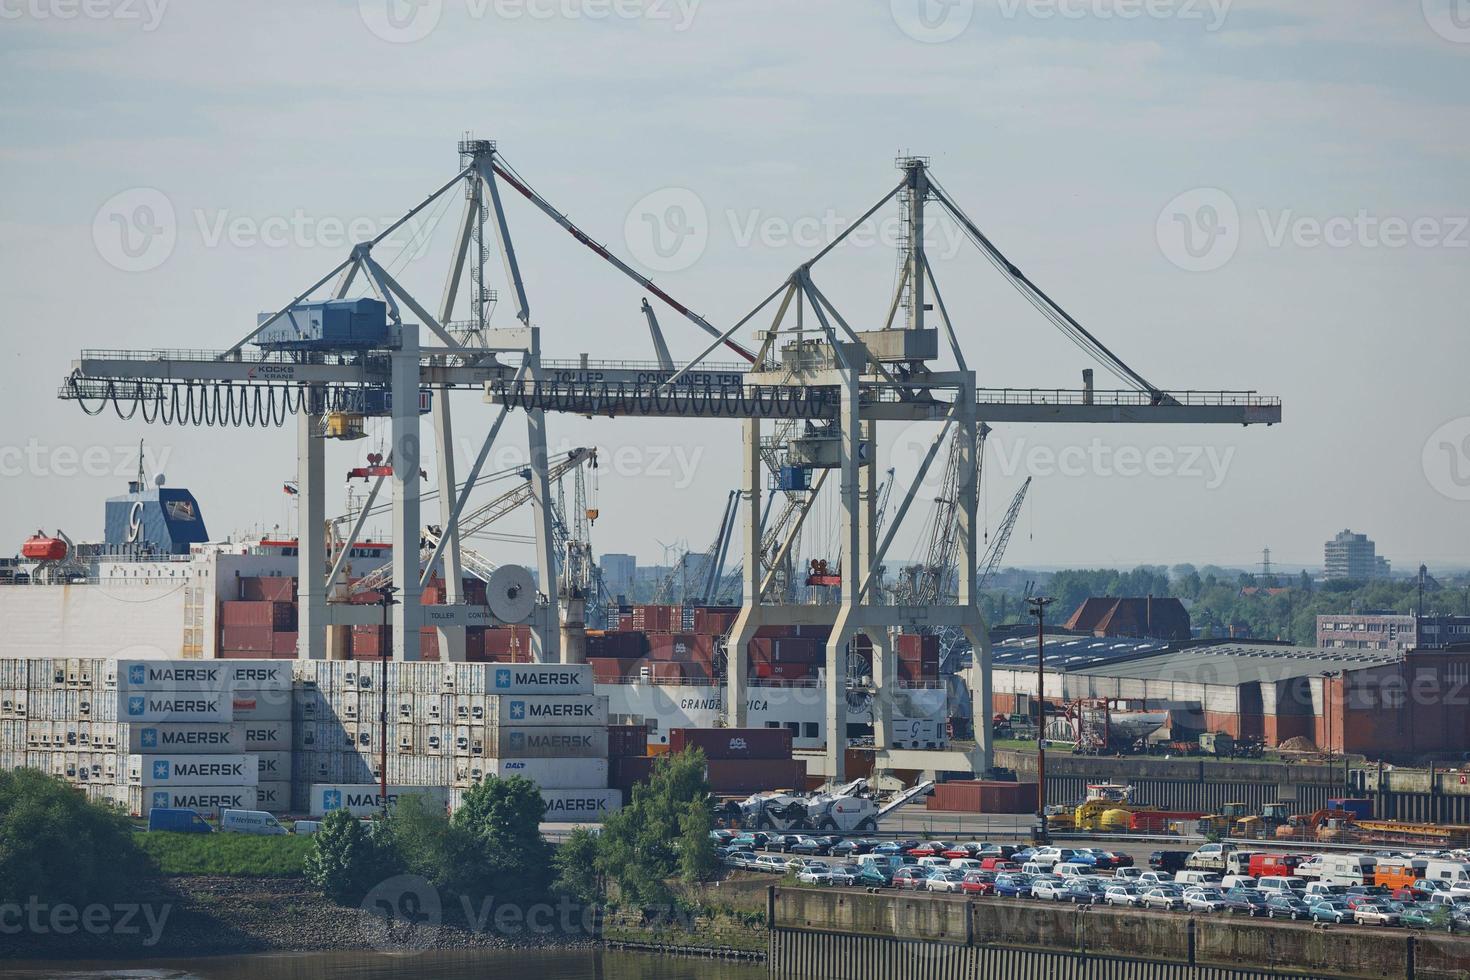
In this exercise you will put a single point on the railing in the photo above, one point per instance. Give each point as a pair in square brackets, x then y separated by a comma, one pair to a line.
[703, 367]
[1124, 397]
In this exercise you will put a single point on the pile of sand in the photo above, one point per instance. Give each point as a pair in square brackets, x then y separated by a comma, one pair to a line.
[1299, 744]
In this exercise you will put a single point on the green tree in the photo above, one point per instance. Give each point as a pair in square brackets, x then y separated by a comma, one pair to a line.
[576, 866]
[58, 847]
[501, 850]
[696, 849]
[417, 838]
[346, 862]
[657, 835]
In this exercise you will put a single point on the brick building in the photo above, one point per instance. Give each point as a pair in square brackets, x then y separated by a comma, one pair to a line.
[1161, 618]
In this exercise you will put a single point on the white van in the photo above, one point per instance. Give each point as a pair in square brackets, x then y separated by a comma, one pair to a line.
[1073, 869]
[1451, 873]
[1186, 878]
[1346, 869]
[307, 826]
[1282, 885]
[1237, 881]
[250, 822]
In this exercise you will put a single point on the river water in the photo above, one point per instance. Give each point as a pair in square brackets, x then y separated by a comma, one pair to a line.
[588, 964]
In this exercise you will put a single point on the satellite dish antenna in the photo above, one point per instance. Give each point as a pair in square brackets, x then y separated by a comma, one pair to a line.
[159, 481]
[511, 594]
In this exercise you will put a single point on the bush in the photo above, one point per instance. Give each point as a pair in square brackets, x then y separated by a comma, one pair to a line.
[576, 867]
[58, 847]
[346, 862]
[418, 835]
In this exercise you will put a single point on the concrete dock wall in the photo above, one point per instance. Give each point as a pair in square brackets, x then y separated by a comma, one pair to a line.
[831, 933]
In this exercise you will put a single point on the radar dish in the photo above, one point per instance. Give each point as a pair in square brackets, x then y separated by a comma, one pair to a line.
[510, 594]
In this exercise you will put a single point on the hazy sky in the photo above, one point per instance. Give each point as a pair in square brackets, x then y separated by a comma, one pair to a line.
[1248, 194]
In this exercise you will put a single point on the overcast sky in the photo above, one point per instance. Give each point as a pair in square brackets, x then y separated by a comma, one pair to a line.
[1248, 195]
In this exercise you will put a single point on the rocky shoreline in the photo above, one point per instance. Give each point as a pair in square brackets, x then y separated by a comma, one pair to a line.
[215, 915]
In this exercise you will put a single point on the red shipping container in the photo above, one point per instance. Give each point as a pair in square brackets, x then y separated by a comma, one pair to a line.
[370, 641]
[283, 644]
[253, 655]
[278, 588]
[625, 772]
[742, 776]
[428, 644]
[733, 743]
[787, 650]
[783, 672]
[260, 639]
[273, 615]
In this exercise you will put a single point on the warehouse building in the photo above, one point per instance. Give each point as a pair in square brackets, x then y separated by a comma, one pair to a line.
[1379, 703]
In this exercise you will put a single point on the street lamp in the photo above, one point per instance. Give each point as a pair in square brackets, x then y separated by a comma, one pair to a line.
[1038, 609]
[385, 599]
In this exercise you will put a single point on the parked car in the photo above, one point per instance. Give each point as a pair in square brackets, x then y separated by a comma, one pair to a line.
[875, 875]
[1049, 857]
[966, 850]
[1205, 900]
[1333, 910]
[1072, 869]
[1415, 915]
[932, 848]
[852, 848]
[1170, 861]
[965, 864]
[780, 843]
[1285, 905]
[1167, 897]
[1125, 895]
[1375, 914]
[810, 845]
[999, 865]
[1156, 878]
[1188, 877]
[910, 877]
[814, 875]
[770, 863]
[1079, 892]
[1048, 889]
[1109, 860]
[1012, 885]
[1246, 901]
[844, 874]
[933, 861]
[978, 883]
[894, 847]
[998, 851]
[945, 881]
[753, 841]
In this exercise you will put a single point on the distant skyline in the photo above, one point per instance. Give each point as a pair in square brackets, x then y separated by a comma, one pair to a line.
[1246, 194]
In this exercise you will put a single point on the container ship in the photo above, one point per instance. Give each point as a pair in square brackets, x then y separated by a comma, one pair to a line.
[157, 587]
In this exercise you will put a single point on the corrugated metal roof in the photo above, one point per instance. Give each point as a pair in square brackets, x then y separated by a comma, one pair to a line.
[1152, 659]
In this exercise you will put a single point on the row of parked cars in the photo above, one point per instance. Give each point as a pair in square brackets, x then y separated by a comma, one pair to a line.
[1086, 876]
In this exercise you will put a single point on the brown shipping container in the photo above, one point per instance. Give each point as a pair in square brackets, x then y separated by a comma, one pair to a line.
[605, 671]
[738, 776]
[983, 797]
[283, 644]
[715, 620]
[786, 650]
[918, 646]
[627, 740]
[733, 743]
[275, 615]
[658, 619]
[268, 589]
[258, 638]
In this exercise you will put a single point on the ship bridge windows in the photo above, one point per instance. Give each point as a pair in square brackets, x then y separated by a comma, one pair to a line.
[810, 729]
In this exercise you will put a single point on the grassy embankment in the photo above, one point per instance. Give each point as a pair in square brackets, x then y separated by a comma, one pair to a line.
[226, 854]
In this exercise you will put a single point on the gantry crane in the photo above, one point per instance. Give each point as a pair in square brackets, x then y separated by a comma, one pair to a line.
[837, 382]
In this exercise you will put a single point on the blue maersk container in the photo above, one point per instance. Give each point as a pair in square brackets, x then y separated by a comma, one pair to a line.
[330, 324]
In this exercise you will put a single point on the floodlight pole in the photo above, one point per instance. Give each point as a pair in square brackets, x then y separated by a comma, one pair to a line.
[1038, 609]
